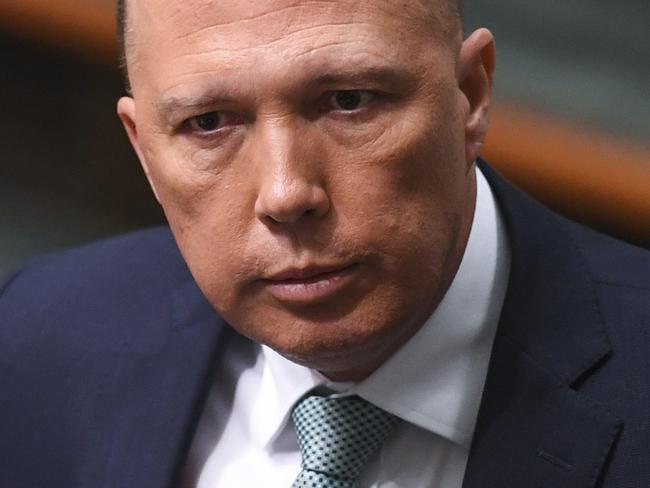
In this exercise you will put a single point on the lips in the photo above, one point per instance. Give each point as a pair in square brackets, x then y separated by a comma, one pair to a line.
[310, 285]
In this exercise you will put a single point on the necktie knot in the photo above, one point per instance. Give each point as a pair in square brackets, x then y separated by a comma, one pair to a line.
[337, 436]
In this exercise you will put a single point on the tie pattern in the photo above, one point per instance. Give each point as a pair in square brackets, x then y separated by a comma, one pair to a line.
[337, 436]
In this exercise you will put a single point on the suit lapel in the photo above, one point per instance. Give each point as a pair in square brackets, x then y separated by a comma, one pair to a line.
[534, 431]
[149, 406]
[534, 428]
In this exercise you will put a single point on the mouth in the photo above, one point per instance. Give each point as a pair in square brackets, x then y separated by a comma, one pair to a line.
[310, 285]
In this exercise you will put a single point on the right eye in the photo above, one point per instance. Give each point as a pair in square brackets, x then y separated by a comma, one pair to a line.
[206, 122]
[210, 122]
[351, 100]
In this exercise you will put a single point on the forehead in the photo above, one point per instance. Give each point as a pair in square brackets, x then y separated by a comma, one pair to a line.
[191, 13]
[244, 23]
[185, 38]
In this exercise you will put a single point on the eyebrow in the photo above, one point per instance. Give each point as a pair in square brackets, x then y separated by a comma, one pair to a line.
[391, 75]
[172, 104]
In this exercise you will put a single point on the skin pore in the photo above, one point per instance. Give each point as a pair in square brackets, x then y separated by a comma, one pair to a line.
[315, 161]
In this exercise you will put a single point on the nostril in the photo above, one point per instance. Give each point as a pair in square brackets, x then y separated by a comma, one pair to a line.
[290, 204]
[288, 218]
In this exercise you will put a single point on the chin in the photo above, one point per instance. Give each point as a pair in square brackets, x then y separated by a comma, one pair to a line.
[332, 345]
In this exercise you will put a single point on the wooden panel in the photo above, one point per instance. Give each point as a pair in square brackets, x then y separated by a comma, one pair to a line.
[85, 27]
[586, 175]
[589, 176]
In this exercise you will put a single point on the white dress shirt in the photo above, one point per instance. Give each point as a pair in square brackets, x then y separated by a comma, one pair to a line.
[434, 383]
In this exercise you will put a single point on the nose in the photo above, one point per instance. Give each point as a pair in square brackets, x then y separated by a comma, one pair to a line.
[291, 187]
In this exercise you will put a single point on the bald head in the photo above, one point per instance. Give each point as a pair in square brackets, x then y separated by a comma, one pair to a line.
[453, 9]
[335, 136]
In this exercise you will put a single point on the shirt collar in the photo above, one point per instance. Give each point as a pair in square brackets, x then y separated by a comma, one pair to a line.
[435, 381]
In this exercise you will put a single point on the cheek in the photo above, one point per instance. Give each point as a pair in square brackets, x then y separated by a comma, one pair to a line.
[210, 216]
[413, 170]
[192, 184]
[181, 184]
[404, 193]
[215, 250]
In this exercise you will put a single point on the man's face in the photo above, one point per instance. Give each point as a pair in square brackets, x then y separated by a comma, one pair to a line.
[314, 160]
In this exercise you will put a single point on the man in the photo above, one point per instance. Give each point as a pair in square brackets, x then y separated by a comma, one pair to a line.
[316, 163]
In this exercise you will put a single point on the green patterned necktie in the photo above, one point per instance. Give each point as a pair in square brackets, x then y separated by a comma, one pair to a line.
[337, 436]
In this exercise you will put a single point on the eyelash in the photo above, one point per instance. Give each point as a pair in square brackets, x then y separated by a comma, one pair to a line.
[368, 97]
[230, 120]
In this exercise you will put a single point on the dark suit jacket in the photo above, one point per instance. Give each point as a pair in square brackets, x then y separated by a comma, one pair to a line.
[106, 353]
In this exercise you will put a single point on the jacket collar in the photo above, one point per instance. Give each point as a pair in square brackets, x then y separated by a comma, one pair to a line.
[533, 428]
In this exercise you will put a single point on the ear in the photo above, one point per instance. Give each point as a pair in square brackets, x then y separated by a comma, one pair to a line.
[126, 112]
[476, 65]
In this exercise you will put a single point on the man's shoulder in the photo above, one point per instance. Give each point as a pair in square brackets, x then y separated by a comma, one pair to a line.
[549, 235]
[620, 273]
[611, 261]
[621, 276]
[94, 293]
[564, 263]
[142, 257]
[92, 340]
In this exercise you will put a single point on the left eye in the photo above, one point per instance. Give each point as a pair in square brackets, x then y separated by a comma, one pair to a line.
[350, 100]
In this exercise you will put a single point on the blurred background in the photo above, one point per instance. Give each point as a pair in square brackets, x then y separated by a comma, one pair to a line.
[571, 121]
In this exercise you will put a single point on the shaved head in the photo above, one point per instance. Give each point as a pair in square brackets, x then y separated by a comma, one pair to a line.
[453, 9]
[314, 160]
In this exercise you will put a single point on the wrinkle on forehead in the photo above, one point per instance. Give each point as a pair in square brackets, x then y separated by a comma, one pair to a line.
[239, 31]
[285, 35]
[197, 17]
[237, 11]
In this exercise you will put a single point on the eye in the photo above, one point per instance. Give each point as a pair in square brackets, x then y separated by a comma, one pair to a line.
[350, 100]
[212, 121]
